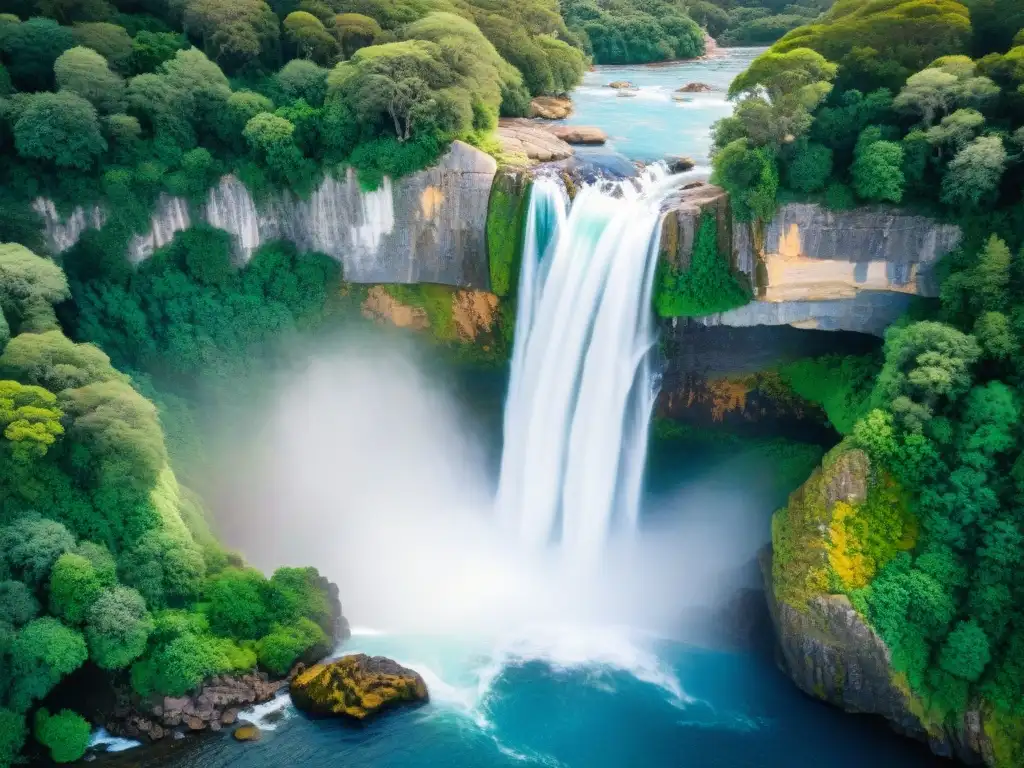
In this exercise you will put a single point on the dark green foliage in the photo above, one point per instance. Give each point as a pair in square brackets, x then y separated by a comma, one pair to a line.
[30, 546]
[809, 168]
[236, 604]
[65, 733]
[635, 33]
[506, 227]
[877, 172]
[707, 286]
[61, 127]
[12, 736]
[18, 605]
[30, 49]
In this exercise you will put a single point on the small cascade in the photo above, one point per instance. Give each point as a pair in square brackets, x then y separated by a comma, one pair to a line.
[581, 389]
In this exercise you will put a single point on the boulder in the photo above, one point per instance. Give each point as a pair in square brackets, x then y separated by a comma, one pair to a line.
[247, 732]
[524, 137]
[580, 134]
[695, 88]
[620, 84]
[357, 686]
[551, 107]
[679, 163]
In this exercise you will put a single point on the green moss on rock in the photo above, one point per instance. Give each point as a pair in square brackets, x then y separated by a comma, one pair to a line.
[506, 225]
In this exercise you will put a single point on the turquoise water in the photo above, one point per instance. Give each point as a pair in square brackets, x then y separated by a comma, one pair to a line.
[652, 125]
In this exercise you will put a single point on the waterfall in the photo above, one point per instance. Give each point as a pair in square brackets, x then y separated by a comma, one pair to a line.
[581, 388]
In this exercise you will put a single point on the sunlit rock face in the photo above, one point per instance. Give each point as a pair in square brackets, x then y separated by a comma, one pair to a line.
[851, 270]
[426, 227]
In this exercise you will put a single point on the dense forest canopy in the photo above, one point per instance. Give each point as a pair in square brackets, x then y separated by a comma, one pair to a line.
[920, 103]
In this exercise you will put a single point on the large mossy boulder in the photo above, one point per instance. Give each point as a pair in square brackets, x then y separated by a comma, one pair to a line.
[357, 686]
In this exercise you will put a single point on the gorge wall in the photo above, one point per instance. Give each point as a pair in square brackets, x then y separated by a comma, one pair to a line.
[809, 267]
[428, 227]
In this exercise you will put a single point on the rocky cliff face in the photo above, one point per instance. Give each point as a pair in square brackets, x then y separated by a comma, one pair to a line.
[813, 268]
[825, 646]
[426, 227]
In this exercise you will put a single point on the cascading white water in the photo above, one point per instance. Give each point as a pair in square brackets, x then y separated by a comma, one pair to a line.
[581, 390]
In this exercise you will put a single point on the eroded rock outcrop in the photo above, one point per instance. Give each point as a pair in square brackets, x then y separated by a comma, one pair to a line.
[534, 142]
[825, 646]
[580, 134]
[425, 227]
[357, 686]
[551, 107]
[813, 268]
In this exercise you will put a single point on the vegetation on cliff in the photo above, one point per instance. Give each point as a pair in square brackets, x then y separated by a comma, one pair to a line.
[916, 103]
[105, 560]
[706, 286]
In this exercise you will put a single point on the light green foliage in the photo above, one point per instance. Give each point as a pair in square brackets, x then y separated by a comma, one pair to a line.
[18, 605]
[996, 336]
[311, 40]
[61, 127]
[956, 130]
[117, 628]
[29, 286]
[355, 31]
[974, 174]
[707, 286]
[111, 41]
[85, 72]
[284, 645]
[12, 736]
[31, 420]
[750, 176]
[65, 733]
[74, 587]
[42, 653]
[179, 664]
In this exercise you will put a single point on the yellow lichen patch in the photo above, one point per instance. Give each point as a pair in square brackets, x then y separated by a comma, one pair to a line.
[384, 308]
[848, 562]
[474, 313]
[431, 201]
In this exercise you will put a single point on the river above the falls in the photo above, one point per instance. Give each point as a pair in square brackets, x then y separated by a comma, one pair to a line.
[651, 123]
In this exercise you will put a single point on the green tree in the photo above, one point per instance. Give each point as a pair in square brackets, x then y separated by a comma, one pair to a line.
[236, 604]
[974, 174]
[810, 167]
[43, 652]
[31, 420]
[271, 138]
[85, 72]
[66, 734]
[118, 626]
[29, 287]
[18, 605]
[234, 32]
[111, 41]
[61, 127]
[311, 40]
[12, 736]
[278, 651]
[355, 31]
[30, 546]
[74, 587]
[300, 79]
[53, 361]
[878, 172]
[965, 653]
[751, 178]
[30, 49]
[151, 49]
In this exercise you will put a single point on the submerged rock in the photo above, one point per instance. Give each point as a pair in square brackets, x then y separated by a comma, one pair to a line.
[680, 163]
[357, 686]
[695, 88]
[247, 732]
[551, 107]
[620, 84]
